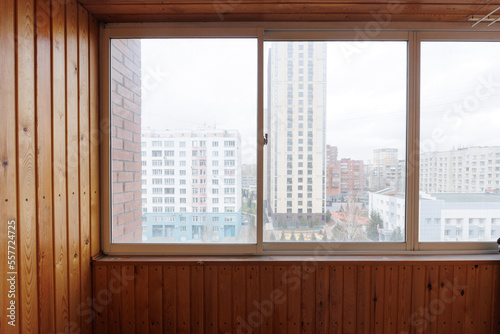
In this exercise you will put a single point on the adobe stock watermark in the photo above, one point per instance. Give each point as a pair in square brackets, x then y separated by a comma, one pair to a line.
[291, 279]
[421, 318]
[225, 6]
[88, 309]
[454, 115]
[370, 30]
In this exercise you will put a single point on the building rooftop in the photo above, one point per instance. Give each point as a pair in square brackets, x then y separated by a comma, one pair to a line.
[470, 197]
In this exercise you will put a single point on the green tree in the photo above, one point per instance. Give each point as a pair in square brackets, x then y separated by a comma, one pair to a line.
[313, 236]
[282, 236]
[292, 237]
[375, 221]
[397, 235]
[325, 237]
[328, 216]
[301, 236]
[272, 237]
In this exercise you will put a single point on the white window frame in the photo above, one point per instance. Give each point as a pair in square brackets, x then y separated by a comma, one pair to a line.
[413, 34]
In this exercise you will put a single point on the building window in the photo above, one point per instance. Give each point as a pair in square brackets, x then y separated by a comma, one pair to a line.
[353, 194]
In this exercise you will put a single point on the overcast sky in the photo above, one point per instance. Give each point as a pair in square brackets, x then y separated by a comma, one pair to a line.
[198, 83]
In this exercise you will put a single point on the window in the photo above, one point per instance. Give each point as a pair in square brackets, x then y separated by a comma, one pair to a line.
[334, 168]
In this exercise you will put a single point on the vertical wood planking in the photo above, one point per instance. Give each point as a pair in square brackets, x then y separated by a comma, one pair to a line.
[114, 309]
[349, 299]
[391, 299]
[485, 294]
[308, 299]
[44, 167]
[471, 299]
[84, 155]
[26, 141]
[8, 163]
[255, 317]
[405, 283]
[270, 296]
[447, 297]
[280, 318]
[43, 109]
[155, 299]
[183, 295]
[293, 281]
[224, 304]
[127, 299]
[336, 299]
[239, 299]
[418, 320]
[459, 296]
[141, 298]
[495, 316]
[196, 299]
[100, 291]
[61, 307]
[72, 160]
[363, 299]
[322, 299]
[210, 296]
[432, 302]
[95, 241]
[378, 299]
[169, 298]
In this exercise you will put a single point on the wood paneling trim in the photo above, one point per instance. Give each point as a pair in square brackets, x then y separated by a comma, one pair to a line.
[8, 152]
[307, 297]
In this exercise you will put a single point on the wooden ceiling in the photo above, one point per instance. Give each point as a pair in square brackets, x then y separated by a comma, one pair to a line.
[279, 11]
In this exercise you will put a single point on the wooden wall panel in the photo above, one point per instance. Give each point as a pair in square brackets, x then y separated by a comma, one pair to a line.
[48, 53]
[44, 167]
[8, 158]
[323, 297]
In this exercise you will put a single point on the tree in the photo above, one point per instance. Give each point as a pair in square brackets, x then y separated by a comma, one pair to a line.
[272, 237]
[292, 237]
[313, 236]
[328, 216]
[301, 236]
[282, 236]
[348, 227]
[375, 223]
[397, 235]
[325, 237]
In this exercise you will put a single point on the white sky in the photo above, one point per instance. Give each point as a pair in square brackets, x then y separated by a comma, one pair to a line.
[192, 83]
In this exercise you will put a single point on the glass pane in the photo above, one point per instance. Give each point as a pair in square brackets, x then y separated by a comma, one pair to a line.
[459, 142]
[184, 124]
[336, 121]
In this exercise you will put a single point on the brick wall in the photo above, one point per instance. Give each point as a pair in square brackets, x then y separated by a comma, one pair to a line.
[126, 140]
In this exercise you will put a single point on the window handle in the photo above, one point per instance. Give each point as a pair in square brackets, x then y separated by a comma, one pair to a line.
[265, 139]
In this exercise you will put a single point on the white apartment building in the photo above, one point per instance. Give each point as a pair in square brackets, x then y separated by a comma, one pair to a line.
[296, 114]
[465, 170]
[443, 216]
[191, 184]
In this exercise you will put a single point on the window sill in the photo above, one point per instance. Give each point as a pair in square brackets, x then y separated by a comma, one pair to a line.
[490, 258]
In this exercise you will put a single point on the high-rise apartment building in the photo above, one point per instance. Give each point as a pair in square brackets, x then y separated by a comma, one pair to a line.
[385, 155]
[296, 114]
[344, 176]
[191, 184]
[387, 171]
[351, 176]
[465, 170]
